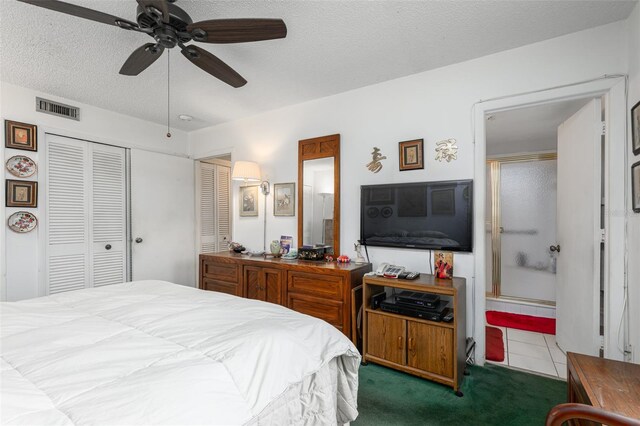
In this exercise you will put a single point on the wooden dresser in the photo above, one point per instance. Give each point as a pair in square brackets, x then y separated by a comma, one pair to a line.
[434, 350]
[319, 289]
[603, 383]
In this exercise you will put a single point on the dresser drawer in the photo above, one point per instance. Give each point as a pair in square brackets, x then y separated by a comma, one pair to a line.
[325, 286]
[330, 311]
[221, 286]
[221, 271]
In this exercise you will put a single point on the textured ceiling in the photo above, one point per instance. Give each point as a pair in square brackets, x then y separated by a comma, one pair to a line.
[529, 129]
[331, 47]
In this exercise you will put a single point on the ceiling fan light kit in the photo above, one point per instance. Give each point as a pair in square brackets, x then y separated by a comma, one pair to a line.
[170, 26]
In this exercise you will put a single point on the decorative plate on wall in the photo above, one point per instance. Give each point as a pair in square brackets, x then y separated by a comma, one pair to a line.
[22, 222]
[21, 166]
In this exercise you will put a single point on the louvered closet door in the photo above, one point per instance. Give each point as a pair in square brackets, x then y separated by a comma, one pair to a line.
[86, 213]
[215, 207]
[207, 208]
[223, 206]
[108, 215]
[68, 256]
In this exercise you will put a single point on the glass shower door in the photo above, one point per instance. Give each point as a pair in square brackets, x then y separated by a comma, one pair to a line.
[527, 229]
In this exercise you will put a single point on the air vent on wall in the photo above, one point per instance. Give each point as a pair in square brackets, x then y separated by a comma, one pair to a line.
[56, 108]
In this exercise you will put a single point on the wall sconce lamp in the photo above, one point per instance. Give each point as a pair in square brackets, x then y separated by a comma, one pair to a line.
[249, 171]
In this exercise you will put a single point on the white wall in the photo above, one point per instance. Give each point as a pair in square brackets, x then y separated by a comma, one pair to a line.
[22, 258]
[433, 105]
[633, 224]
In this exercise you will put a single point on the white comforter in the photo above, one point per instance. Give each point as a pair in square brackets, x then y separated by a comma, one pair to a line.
[152, 352]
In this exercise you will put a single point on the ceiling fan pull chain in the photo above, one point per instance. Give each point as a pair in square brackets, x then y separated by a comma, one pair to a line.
[168, 93]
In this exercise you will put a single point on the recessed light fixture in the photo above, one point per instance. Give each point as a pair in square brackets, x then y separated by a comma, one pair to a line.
[185, 117]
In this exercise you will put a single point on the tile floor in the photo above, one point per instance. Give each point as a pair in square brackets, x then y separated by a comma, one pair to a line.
[534, 352]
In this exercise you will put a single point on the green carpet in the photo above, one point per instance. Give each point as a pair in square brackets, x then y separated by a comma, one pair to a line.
[492, 396]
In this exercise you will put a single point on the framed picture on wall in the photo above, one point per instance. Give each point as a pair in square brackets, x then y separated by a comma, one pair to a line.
[249, 200]
[411, 155]
[21, 193]
[635, 187]
[635, 128]
[284, 199]
[20, 135]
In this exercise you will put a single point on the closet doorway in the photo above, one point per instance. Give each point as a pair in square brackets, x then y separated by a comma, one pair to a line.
[86, 214]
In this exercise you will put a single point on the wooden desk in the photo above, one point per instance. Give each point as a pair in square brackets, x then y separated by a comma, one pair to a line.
[603, 383]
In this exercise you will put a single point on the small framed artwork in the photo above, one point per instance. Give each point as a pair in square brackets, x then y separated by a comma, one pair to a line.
[284, 199]
[411, 155]
[249, 200]
[635, 187]
[20, 135]
[21, 193]
[635, 128]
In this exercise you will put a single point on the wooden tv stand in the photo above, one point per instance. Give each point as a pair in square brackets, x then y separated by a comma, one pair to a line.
[432, 350]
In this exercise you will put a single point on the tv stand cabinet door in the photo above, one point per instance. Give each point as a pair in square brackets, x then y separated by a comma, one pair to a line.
[430, 348]
[386, 337]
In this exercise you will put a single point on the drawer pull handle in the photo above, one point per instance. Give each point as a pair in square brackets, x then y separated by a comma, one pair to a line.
[412, 344]
[399, 342]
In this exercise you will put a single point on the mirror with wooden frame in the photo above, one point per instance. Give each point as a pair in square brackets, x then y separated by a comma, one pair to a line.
[319, 193]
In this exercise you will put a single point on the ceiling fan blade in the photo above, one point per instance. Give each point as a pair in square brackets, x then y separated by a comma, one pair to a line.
[237, 30]
[213, 65]
[141, 58]
[82, 12]
[159, 5]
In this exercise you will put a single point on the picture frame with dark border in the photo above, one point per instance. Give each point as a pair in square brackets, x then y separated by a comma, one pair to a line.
[21, 193]
[284, 199]
[411, 154]
[249, 201]
[635, 187]
[635, 128]
[21, 136]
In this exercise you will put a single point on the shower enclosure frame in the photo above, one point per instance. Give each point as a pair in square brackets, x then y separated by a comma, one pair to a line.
[494, 164]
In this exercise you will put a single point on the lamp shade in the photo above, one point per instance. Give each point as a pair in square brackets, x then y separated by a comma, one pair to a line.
[247, 171]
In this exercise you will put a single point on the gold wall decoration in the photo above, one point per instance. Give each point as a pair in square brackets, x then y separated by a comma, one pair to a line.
[375, 165]
[446, 150]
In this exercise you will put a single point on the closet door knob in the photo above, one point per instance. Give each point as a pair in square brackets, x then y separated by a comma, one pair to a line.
[138, 240]
[108, 246]
[555, 248]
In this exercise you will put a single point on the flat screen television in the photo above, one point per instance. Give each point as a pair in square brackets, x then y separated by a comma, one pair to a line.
[423, 215]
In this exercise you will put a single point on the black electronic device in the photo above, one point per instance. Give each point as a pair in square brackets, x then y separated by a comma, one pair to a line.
[416, 298]
[435, 314]
[448, 315]
[377, 298]
[418, 215]
[409, 275]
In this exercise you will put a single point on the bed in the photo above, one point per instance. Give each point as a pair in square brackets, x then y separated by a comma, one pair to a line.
[152, 352]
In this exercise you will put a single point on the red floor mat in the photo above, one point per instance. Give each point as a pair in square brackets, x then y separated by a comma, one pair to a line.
[494, 344]
[522, 322]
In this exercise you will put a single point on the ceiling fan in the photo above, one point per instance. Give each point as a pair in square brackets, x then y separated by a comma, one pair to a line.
[170, 26]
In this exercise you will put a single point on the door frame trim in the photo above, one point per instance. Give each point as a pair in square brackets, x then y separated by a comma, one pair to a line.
[613, 89]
